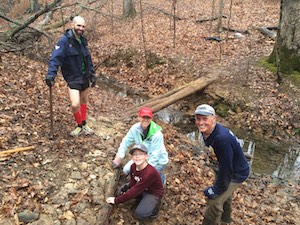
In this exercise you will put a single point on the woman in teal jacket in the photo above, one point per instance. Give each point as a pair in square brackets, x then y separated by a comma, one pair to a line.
[148, 133]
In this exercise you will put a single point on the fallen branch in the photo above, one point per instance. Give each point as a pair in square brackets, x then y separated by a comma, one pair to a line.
[16, 150]
[15, 22]
[236, 31]
[32, 19]
[210, 19]
[265, 31]
[163, 12]
[173, 96]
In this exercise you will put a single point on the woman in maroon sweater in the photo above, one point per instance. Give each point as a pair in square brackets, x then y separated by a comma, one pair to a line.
[145, 183]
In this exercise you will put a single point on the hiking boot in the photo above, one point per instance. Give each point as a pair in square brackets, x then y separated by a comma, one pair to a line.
[76, 132]
[87, 129]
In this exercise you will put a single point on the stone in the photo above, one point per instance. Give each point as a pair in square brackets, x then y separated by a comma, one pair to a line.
[43, 220]
[76, 175]
[27, 216]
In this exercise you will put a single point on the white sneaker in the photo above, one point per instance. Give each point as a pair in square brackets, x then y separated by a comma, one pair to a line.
[87, 129]
[76, 132]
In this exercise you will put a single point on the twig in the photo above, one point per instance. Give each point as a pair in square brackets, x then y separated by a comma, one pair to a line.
[16, 150]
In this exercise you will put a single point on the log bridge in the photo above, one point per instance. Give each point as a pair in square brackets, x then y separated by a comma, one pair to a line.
[173, 96]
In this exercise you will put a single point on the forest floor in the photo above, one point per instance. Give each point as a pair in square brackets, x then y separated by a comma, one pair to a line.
[66, 180]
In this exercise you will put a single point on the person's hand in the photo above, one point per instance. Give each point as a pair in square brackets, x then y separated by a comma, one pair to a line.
[125, 187]
[110, 200]
[93, 81]
[116, 162]
[210, 192]
[49, 81]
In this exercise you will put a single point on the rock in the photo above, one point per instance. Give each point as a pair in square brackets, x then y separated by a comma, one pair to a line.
[49, 209]
[81, 206]
[71, 222]
[28, 216]
[43, 220]
[7, 221]
[76, 175]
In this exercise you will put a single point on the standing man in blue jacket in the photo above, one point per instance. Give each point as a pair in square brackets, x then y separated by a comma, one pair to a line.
[72, 55]
[148, 133]
[233, 167]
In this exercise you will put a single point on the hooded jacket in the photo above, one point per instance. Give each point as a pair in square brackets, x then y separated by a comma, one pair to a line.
[73, 58]
[154, 143]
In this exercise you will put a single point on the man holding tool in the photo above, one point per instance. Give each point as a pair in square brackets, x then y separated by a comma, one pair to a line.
[71, 53]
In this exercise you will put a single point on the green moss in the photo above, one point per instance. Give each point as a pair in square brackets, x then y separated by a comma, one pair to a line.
[294, 76]
[222, 110]
[153, 60]
[266, 63]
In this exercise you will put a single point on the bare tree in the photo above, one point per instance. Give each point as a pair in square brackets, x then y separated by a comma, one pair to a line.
[34, 6]
[129, 8]
[220, 16]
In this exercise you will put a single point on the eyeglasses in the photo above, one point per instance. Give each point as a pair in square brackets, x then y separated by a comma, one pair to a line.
[138, 154]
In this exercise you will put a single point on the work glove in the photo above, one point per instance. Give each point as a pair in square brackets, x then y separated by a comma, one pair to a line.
[125, 187]
[115, 165]
[49, 81]
[210, 192]
[93, 81]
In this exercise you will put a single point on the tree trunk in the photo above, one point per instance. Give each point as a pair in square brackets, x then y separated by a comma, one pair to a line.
[129, 9]
[289, 42]
[34, 6]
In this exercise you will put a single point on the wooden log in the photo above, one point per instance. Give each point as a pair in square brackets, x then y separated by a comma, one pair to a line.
[265, 31]
[16, 150]
[167, 99]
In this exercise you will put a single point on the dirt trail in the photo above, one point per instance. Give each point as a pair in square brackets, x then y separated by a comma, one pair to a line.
[65, 181]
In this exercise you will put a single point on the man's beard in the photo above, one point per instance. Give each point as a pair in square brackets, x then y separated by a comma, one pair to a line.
[78, 32]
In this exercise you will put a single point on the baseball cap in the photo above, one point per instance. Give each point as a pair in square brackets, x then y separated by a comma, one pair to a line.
[205, 110]
[145, 111]
[140, 147]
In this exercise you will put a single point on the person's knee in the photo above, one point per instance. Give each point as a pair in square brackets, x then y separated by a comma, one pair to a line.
[139, 214]
[75, 107]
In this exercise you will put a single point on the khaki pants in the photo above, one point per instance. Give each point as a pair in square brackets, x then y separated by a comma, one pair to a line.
[219, 209]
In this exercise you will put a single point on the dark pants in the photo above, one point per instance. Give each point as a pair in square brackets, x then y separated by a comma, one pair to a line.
[146, 206]
[219, 209]
[80, 87]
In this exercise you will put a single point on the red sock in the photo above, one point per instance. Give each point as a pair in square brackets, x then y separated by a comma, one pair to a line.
[78, 117]
[83, 109]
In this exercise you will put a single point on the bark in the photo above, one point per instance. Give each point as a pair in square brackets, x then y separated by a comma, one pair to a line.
[34, 6]
[129, 9]
[173, 96]
[289, 42]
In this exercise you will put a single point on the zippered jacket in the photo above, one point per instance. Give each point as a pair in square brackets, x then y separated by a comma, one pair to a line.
[154, 142]
[233, 165]
[73, 58]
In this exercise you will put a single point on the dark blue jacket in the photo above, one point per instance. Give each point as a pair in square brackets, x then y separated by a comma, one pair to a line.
[233, 165]
[69, 55]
